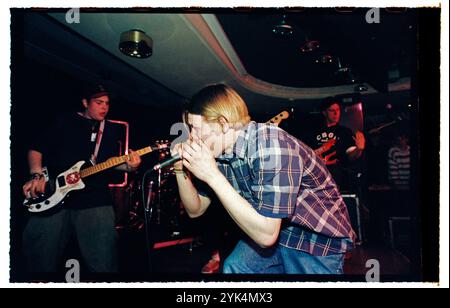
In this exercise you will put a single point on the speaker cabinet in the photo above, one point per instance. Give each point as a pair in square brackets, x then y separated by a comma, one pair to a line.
[352, 202]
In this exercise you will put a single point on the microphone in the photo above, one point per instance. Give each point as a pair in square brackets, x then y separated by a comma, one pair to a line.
[167, 162]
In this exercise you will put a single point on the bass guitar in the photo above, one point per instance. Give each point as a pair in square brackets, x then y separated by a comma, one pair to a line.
[72, 179]
[278, 118]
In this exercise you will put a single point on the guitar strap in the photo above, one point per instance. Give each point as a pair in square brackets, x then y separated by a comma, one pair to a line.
[97, 142]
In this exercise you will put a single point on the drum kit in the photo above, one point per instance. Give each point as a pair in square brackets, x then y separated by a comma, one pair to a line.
[155, 197]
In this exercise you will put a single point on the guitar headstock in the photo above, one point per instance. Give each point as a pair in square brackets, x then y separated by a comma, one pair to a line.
[279, 117]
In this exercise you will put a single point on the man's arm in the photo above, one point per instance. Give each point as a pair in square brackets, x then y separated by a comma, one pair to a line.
[263, 230]
[194, 203]
[36, 184]
[35, 161]
[200, 161]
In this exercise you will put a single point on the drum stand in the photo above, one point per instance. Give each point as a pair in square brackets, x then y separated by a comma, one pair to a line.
[158, 206]
[148, 210]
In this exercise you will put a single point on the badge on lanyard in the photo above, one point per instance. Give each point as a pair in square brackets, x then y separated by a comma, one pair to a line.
[93, 136]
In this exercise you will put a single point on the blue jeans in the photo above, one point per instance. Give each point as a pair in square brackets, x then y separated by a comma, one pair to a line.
[249, 258]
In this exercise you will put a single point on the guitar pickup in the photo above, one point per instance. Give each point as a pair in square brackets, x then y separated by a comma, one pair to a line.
[61, 181]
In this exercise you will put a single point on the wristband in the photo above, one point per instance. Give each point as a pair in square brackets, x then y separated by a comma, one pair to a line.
[181, 171]
[36, 176]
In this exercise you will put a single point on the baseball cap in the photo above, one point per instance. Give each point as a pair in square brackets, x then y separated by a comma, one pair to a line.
[94, 91]
[327, 102]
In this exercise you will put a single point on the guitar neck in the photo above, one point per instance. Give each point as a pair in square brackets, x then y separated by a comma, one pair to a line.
[278, 118]
[112, 162]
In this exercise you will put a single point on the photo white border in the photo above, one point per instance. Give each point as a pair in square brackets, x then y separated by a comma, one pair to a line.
[5, 175]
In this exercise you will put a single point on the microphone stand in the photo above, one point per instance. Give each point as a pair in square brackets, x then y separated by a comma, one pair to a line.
[158, 208]
[148, 211]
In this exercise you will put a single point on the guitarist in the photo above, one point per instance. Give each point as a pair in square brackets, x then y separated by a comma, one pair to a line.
[87, 213]
[336, 144]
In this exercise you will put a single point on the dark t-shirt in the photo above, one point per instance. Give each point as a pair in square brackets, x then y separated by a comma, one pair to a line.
[340, 139]
[69, 140]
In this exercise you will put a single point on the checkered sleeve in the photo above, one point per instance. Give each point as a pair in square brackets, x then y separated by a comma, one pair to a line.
[276, 172]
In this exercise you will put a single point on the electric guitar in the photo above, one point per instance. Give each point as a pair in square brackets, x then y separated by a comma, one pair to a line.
[324, 148]
[71, 179]
[278, 118]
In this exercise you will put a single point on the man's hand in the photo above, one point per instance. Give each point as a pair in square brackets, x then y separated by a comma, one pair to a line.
[360, 141]
[177, 150]
[34, 187]
[199, 160]
[133, 161]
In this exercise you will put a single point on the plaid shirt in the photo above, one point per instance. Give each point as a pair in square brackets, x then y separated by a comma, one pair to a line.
[281, 177]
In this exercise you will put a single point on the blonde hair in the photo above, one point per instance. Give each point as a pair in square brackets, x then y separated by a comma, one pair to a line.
[218, 100]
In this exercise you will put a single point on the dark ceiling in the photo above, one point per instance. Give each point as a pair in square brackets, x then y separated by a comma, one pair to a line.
[369, 50]
[190, 52]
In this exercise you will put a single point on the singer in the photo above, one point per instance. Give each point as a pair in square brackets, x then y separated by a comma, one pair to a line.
[276, 189]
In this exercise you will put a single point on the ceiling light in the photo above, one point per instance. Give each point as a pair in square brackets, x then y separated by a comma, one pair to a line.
[325, 59]
[361, 88]
[310, 46]
[283, 29]
[136, 44]
[345, 73]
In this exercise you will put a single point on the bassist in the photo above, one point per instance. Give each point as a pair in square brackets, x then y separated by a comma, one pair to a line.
[88, 213]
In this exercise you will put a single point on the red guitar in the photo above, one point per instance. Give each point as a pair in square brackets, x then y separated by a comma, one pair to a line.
[324, 148]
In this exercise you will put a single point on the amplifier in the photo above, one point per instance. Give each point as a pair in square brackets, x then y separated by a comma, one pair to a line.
[352, 202]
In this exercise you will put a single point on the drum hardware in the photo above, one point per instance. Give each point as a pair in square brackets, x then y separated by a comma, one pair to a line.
[148, 215]
[154, 206]
[158, 205]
